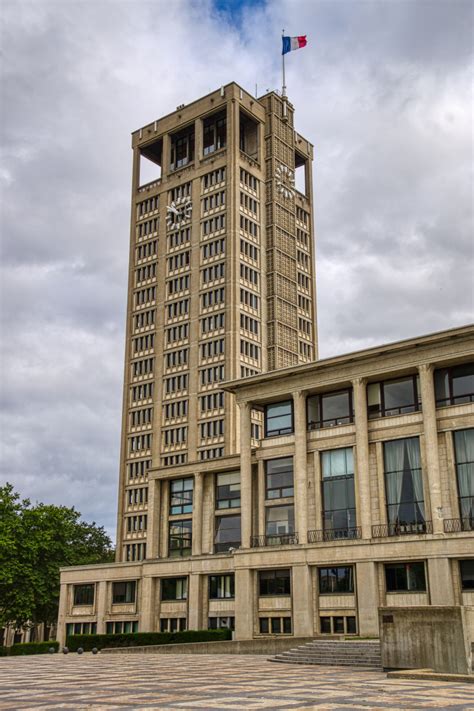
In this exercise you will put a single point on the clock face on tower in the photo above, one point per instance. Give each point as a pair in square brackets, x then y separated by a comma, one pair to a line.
[179, 212]
[285, 180]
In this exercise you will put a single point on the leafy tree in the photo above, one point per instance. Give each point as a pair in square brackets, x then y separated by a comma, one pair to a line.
[35, 542]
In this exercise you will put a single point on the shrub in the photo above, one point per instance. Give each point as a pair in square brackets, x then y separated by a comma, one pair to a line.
[3, 651]
[32, 648]
[141, 639]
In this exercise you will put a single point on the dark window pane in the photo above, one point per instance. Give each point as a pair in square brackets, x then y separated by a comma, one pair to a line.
[338, 623]
[279, 473]
[330, 409]
[403, 482]
[325, 624]
[228, 533]
[84, 594]
[174, 588]
[454, 386]
[124, 592]
[464, 448]
[274, 582]
[181, 496]
[279, 418]
[180, 538]
[467, 574]
[351, 625]
[264, 628]
[280, 520]
[405, 577]
[287, 625]
[228, 490]
[399, 396]
[336, 580]
[221, 586]
[163, 625]
[276, 625]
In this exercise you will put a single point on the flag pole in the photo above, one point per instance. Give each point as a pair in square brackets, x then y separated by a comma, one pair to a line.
[283, 90]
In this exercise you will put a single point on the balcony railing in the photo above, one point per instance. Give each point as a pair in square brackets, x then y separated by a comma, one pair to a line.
[334, 534]
[455, 400]
[321, 424]
[457, 525]
[402, 529]
[286, 539]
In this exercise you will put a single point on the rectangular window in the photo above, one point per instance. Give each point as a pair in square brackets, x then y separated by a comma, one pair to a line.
[393, 397]
[339, 514]
[330, 409]
[336, 580]
[221, 623]
[279, 478]
[228, 533]
[181, 496]
[464, 450]
[279, 418]
[275, 625]
[280, 524]
[174, 588]
[122, 627]
[228, 490]
[124, 592]
[173, 624]
[454, 386]
[182, 148]
[466, 568]
[221, 586]
[84, 594]
[404, 486]
[180, 538]
[405, 577]
[274, 582]
[214, 133]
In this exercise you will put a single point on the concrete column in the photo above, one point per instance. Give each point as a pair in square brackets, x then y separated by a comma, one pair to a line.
[303, 619]
[244, 603]
[440, 582]
[261, 498]
[362, 456]
[153, 532]
[61, 631]
[198, 140]
[166, 156]
[165, 507]
[367, 598]
[197, 513]
[101, 606]
[245, 474]
[147, 604]
[430, 429]
[194, 602]
[300, 467]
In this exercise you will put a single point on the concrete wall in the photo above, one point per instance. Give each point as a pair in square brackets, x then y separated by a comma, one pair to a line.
[272, 645]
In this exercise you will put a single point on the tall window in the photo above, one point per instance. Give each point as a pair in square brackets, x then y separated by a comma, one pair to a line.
[180, 538]
[274, 582]
[214, 133]
[405, 577]
[228, 533]
[181, 496]
[454, 386]
[336, 580]
[124, 592]
[279, 418]
[339, 513]
[464, 448]
[330, 409]
[174, 588]
[466, 568]
[393, 397]
[404, 486]
[182, 148]
[84, 594]
[228, 491]
[221, 586]
[280, 522]
[279, 473]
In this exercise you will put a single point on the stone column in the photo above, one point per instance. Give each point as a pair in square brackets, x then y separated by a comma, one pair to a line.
[244, 601]
[245, 474]
[197, 513]
[194, 602]
[303, 619]
[63, 608]
[430, 428]
[362, 456]
[147, 604]
[166, 155]
[153, 532]
[198, 140]
[261, 497]
[367, 599]
[300, 466]
[440, 582]
[101, 592]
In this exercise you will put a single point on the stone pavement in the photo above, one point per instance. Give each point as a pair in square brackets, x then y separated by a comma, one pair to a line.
[224, 682]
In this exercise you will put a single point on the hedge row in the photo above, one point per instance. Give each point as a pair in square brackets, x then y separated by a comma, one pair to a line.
[21, 649]
[141, 639]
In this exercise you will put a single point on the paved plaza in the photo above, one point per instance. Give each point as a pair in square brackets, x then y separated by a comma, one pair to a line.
[151, 681]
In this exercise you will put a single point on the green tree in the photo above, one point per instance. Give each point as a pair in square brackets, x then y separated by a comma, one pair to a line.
[35, 542]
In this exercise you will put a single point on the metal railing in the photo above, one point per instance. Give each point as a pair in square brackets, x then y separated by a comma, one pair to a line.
[334, 534]
[321, 424]
[455, 400]
[285, 539]
[457, 525]
[402, 529]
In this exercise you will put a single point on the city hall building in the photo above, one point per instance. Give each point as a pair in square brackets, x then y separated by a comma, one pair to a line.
[262, 489]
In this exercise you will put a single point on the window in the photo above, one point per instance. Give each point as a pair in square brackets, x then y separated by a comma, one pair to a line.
[454, 386]
[338, 625]
[466, 568]
[129, 627]
[279, 418]
[464, 449]
[228, 533]
[182, 148]
[84, 594]
[81, 628]
[221, 586]
[174, 588]
[214, 133]
[221, 623]
[404, 486]
[280, 523]
[393, 397]
[124, 592]
[336, 580]
[180, 538]
[228, 490]
[173, 624]
[405, 577]
[274, 582]
[338, 496]
[330, 409]
[275, 625]
[279, 473]
[181, 496]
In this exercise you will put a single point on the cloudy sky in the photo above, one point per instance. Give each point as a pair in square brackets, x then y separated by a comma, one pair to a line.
[384, 92]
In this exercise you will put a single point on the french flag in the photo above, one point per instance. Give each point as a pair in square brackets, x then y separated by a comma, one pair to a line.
[291, 43]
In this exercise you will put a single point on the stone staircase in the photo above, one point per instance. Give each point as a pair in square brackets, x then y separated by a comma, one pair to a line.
[334, 652]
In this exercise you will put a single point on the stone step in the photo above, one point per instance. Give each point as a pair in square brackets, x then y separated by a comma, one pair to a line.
[334, 652]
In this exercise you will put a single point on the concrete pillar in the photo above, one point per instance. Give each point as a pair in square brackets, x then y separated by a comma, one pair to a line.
[62, 612]
[244, 602]
[101, 605]
[194, 602]
[261, 498]
[440, 582]
[362, 457]
[197, 513]
[147, 604]
[300, 467]
[165, 507]
[198, 140]
[153, 532]
[428, 405]
[367, 598]
[166, 155]
[303, 618]
[245, 474]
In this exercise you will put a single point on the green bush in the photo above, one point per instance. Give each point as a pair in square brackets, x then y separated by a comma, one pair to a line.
[32, 648]
[3, 651]
[141, 639]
